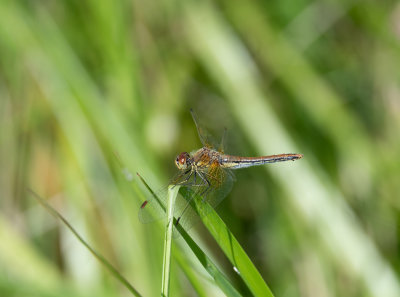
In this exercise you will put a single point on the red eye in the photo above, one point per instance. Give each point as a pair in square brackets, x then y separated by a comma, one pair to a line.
[182, 158]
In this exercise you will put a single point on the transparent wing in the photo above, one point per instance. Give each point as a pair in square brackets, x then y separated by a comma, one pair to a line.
[219, 186]
[154, 208]
[222, 145]
[221, 182]
[194, 186]
[206, 139]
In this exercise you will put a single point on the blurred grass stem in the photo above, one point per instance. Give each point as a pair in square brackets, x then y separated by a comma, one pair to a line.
[97, 255]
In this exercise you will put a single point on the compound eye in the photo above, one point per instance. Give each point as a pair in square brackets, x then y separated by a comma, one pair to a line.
[182, 159]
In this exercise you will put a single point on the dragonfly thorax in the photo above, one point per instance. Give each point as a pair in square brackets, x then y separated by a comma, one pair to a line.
[183, 161]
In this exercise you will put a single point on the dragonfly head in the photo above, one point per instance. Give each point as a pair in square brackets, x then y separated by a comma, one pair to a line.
[183, 161]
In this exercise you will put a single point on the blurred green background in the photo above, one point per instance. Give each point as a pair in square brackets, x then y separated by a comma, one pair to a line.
[82, 82]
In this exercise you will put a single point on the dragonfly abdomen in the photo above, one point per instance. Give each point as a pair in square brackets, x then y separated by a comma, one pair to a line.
[236, 162]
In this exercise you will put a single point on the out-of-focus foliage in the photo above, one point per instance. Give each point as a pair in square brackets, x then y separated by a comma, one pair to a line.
[85, 85]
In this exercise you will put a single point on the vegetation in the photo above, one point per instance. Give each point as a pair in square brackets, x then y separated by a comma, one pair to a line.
[88, 86]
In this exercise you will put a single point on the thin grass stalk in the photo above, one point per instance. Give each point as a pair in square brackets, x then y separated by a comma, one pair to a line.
[96, 254]
[172, 193]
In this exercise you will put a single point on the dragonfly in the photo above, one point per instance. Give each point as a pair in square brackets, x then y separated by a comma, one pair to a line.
[205, 173]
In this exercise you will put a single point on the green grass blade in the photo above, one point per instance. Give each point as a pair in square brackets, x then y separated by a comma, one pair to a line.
[172, 193]
[231, 247]
[219, 278]
[191, 274]
[97, 255]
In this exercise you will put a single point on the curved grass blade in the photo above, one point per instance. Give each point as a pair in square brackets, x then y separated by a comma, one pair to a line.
[219, 278]
[97, 255]
[230, 246]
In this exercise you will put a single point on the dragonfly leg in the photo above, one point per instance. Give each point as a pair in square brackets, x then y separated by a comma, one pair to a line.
[183, 211]
[194, 182]
[183, 182]
[206, 183]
